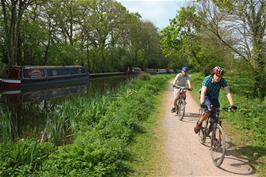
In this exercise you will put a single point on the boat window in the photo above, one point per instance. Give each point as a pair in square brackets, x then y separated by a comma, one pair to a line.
[13, 73]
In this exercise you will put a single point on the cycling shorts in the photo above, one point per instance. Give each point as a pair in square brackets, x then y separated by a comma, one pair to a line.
[210, 104]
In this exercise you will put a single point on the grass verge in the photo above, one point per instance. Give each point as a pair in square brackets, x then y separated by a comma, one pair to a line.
[148, 149]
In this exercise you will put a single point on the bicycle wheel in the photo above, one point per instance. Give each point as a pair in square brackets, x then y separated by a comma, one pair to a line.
[182, 106]
[202, 132]
[218, 146]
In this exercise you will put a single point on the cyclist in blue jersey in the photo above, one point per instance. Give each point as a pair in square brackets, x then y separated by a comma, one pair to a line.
[209, 94]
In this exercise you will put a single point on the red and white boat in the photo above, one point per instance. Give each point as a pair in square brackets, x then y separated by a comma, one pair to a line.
[28, 76]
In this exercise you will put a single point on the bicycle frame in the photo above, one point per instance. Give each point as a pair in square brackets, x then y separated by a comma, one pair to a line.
[210, 123]
[211, 126]
[181, 102]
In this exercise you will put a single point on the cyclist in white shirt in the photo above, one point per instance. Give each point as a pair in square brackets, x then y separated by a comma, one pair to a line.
[181, 80]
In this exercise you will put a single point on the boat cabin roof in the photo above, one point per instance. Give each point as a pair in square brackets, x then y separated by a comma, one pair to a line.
[37, 66]
[41, 67]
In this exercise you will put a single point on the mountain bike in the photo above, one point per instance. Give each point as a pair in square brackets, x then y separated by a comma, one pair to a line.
[181, 102]
[212, 128]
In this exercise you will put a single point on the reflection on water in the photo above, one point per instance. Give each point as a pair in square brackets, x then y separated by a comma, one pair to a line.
[26, 113]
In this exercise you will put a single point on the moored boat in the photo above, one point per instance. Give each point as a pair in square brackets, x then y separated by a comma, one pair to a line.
[28, 76]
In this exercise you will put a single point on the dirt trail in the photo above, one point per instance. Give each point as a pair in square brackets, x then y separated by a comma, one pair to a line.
[185, 155]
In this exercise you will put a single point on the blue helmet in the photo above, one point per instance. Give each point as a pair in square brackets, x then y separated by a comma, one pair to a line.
[185, 69]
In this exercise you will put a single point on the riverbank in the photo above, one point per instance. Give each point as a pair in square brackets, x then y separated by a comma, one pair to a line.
[106, 74]
[102, 129]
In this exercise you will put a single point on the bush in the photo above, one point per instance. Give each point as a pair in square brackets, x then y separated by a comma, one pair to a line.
[144, 76]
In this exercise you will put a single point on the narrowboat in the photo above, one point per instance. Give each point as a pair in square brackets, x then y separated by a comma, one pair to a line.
[30, 76]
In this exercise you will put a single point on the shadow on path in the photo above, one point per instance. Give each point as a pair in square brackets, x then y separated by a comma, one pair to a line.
[236, 162]
[191, 117]
[252, 155]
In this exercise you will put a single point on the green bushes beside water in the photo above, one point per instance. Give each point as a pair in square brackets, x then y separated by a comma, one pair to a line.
[102, 132]
[248, 122]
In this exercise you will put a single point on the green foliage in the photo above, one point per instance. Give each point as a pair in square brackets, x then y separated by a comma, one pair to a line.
[100, 34]
[2, 69]
[185, 42]
[102, 149]
[103, 130]
[23, 158]
[144, 76]
[233, 35]
[5, 126]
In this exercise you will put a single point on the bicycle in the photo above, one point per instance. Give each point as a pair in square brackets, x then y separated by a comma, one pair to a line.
[181, 102]
[212, 128]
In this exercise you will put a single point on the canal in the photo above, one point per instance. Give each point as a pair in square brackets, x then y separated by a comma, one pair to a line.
[24, 112]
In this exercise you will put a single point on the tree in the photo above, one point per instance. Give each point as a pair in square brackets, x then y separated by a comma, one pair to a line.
[180, 39]
[150, 40]
[12, 15]
[101, 28]
[246, 22]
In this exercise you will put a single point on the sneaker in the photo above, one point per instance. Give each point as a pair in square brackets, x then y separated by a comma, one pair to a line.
[173, 110]
[197, 127]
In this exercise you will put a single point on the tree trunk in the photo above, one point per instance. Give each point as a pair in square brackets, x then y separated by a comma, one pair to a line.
[12, 21]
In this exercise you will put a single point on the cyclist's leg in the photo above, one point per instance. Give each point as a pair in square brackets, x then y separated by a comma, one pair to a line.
[213, 119]
[185, 97]
[204, 115]
[215, 115]
[176, 93]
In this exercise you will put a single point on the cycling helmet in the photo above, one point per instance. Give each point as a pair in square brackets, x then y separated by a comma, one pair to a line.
[218, 70]
[185, 69]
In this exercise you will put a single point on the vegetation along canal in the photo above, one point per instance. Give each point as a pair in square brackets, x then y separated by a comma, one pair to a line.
[30, 114]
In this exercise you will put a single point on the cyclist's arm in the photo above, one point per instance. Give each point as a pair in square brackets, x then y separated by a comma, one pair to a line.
[229, 95]
[189, 84]
[176, 77]
[202, 94]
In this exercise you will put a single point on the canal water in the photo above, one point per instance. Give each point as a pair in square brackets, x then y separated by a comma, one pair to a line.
[27, 109]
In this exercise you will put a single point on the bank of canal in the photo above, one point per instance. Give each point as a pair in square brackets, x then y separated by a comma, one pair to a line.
[27, 112]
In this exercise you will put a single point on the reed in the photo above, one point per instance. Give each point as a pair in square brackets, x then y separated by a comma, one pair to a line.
[5, 126]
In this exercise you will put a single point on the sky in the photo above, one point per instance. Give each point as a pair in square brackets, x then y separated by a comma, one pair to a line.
[159, 12]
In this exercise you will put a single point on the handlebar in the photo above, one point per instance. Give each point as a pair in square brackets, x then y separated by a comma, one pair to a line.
[227, 109]
[182, 88]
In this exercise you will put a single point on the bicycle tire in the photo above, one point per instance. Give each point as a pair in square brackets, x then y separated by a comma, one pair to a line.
[202, 132]
[217, 145]
[177, 108]
[182, 108]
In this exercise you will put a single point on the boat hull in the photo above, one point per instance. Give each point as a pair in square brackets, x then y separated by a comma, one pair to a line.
[16, 84]
[30, 76]
[10, 83]
[56, 81]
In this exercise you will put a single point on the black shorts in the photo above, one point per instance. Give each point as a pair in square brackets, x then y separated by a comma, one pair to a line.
[211, 107]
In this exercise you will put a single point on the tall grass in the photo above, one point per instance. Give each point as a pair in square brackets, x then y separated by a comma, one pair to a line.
[5, 127]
